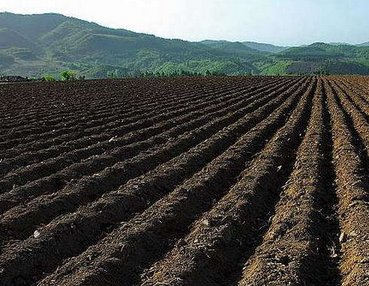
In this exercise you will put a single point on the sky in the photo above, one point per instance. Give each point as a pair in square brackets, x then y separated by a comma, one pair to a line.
[281, 22]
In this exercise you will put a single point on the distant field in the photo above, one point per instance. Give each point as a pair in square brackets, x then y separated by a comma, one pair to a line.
[185, 181]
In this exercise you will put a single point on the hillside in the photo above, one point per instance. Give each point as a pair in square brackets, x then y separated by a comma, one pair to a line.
[67, 43]
[366, 44]
[250, 46]
[265, 47]
[326, 58]
[35, 45]
[235, 48]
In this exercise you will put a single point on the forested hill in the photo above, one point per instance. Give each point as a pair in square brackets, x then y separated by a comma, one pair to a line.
[35, 45]
[327, 58]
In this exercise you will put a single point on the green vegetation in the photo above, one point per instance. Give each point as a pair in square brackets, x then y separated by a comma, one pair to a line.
[54, 42]
[35, 45]
[265, 47]
[277, 68]
[49, 78]
[68, 76]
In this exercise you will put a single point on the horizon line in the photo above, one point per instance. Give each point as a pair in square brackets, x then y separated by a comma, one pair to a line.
[198, 41]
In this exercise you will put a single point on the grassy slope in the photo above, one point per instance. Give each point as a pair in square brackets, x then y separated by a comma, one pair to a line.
[278, 68]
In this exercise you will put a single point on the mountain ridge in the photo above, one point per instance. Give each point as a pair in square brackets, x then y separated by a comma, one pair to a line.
[39, 44]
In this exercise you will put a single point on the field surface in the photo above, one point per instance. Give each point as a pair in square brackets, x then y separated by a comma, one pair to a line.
[244, 181]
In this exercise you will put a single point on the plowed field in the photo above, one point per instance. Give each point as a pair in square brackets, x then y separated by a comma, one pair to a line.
[231, 181]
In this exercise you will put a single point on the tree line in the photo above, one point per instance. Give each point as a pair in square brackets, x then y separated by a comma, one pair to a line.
[71, 76]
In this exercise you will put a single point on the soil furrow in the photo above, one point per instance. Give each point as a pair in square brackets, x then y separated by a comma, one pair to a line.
[35, 171]
[169, 218]
[89, 127]
[356, 87]
[185, 181]
[296, 250]
[133, 102]
[87, 140]
[57, 181]
[358, 120]
[211, 253]
[93, 220]
[161, 94]
[354, 91]
[352, 191]
[47, 94]
[114, 150]
[90, 188]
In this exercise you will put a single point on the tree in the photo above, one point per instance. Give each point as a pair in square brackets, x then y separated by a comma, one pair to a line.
[68, 76]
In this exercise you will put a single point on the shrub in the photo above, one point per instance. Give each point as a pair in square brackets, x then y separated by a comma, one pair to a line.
[49, 78]
[68, 76]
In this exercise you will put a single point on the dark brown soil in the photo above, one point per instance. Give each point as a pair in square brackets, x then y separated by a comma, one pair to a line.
[185, 181]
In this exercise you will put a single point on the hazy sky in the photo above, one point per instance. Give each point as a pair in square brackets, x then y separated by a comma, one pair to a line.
[284, 22]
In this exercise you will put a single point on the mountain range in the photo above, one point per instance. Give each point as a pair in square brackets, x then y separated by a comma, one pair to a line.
[36, 45]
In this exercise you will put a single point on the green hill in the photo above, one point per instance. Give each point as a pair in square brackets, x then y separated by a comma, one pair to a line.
[265, 47]
[325, 58]
[235, 48]
[253, 47]
[31, 26]
[318, 51]
[34, 45]
[10, 39]
[67, 43]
